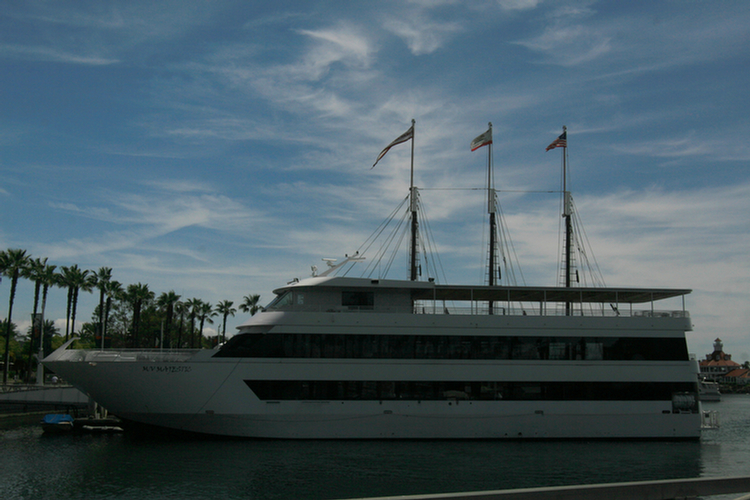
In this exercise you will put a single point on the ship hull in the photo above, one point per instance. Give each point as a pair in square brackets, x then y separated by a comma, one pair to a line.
[379, 374]
[214, 397]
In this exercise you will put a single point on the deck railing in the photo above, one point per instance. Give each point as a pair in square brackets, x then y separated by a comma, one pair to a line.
[482, 309]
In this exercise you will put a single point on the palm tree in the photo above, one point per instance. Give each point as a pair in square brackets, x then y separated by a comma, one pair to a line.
[75, 279]
[137, 295]
[166, 302]
[250, 304]
[225, 309]
[113, 290]
[180, 308]
[48, 277]
[12, 263]
[192, 306]
[34, 271]
[102, 277]
[205, 313]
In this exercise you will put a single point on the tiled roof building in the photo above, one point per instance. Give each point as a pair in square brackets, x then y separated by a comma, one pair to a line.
[718, 364]
[739, 377]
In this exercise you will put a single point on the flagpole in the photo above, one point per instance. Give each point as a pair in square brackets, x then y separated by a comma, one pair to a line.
[413, 202]
[567, 215]
[493, 222]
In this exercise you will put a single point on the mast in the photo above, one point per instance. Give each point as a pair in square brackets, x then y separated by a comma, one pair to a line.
[493, 222]
[491, 211]
[567, 214]
[408, 135]
[413, 206]
[567, 210]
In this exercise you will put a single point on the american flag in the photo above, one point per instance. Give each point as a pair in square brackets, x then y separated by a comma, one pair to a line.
[409, 134]
[560, 142]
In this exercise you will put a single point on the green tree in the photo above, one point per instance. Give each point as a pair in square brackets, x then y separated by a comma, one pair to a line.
[9, 351]
[137, 295]
[225, 309]
[166, 302]
[35, 271]
[180, 308]
[75, 279]
[205, 313]
[250, 304]
[49, 331]
[48, 277]
[113, 291]
[102, 278]
[12, 264]
[192, 306]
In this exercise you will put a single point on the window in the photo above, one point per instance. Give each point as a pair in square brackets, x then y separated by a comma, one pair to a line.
[358, 300]
[280, 302]
[681, 394]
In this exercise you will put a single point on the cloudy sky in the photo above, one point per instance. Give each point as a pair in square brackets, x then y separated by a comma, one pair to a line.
[222, 148]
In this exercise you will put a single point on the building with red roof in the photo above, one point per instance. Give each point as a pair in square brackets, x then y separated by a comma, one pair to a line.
[719, 365]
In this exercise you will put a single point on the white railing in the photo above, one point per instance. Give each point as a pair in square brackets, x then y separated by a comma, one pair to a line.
[482, 309]
[710, 419]
[427, 307]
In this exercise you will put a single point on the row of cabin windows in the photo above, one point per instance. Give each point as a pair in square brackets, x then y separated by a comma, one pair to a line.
[454, 347]
[292, 390]
[351, 300]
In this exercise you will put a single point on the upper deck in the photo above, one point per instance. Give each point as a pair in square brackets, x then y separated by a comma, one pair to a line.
[333, 294]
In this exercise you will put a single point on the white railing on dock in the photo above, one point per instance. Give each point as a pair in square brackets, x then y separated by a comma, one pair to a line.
[642, 490]
[710, 419]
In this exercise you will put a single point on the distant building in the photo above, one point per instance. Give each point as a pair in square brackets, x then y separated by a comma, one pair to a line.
[739, 377]
[719, 365]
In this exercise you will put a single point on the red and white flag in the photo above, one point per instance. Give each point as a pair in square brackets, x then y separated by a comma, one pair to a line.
[482, 140]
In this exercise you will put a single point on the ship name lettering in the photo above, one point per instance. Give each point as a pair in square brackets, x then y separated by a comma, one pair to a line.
[167, 369]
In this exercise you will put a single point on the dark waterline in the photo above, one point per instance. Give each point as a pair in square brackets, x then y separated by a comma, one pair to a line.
[124, 466]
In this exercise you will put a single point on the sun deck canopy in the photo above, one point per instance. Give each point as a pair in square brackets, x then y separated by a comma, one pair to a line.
[426, 290]
[548, 294]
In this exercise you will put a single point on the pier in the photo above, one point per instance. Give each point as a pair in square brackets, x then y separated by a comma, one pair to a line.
[21, 398]
[671, 489]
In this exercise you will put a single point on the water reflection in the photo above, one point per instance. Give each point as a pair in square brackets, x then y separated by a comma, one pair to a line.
[33, 465]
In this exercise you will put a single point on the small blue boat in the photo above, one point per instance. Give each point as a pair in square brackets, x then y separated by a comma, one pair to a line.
[57, 422]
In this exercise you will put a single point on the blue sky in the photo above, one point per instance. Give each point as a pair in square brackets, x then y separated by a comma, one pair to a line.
[222, 148]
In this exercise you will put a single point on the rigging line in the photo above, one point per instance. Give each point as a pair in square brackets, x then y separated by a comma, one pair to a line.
[381, 252]
[550, 191]
[595, 270]
[437, 264]
[403, 234]
[375, 235]
[511, 247]
[379, 230]
[483, 256]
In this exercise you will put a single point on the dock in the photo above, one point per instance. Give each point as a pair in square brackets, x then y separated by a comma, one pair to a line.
[670, 489]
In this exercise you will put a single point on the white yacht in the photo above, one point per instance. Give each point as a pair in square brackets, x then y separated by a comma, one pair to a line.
[344, 357]
[708, 390]
[359, 358]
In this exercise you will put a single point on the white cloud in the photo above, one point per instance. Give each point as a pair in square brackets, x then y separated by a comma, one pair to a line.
[570, 45]
[518, 4]
[55, 54]
[422, 35]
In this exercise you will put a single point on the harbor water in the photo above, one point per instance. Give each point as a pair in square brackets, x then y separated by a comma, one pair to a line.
[34, 465]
